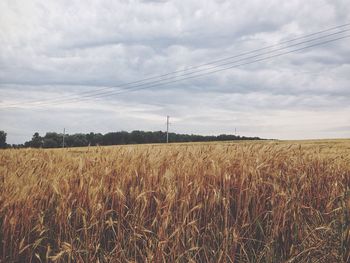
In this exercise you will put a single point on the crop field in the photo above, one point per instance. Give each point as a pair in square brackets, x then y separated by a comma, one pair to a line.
[258, 201]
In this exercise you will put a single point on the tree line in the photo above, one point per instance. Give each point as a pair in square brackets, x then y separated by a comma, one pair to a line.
[55, 140]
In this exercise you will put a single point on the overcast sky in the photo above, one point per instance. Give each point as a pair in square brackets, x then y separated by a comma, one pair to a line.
[53, 51]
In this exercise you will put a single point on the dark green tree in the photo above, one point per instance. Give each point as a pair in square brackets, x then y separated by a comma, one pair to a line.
[37, 141]
[3, 143]
[78, 140]
[94, 138]
[50, 143]
[52, 140]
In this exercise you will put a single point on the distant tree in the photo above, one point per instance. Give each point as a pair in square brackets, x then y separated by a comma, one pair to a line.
[94, 138]
[36, 141]
[79, 140]
[18, 146]
[114, 138]
[98, 139]
[50, 143]
[68, 140]
[3, 143]
[90, 137]
[52, 140]
[137, 137]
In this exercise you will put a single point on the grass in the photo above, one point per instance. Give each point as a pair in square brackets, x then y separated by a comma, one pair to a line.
[215, 202]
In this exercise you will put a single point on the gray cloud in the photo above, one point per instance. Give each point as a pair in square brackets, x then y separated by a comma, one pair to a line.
[53, 49]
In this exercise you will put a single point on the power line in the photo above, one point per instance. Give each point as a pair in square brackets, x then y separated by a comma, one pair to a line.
[234, 66]
[214, 61]
[215, 71]
[150, 84]
[224, 64]
[198, 75]
[94, 94]
[218, 70]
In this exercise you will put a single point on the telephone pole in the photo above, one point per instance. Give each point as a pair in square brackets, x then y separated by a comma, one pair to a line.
[167, 129]
[64, 133]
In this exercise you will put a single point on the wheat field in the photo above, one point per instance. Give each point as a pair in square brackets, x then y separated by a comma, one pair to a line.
[254, 201]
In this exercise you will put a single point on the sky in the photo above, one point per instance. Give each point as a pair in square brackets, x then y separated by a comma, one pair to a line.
[73, 64]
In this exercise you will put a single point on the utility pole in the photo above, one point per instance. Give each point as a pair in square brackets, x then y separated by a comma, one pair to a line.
[167, 129]
[64, 133]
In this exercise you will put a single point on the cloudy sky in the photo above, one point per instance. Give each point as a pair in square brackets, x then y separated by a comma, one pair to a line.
[74, 64]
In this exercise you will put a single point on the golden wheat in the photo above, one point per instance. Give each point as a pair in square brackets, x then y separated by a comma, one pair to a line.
[213, 202]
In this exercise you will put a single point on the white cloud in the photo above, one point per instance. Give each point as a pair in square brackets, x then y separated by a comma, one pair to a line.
[53, 49]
